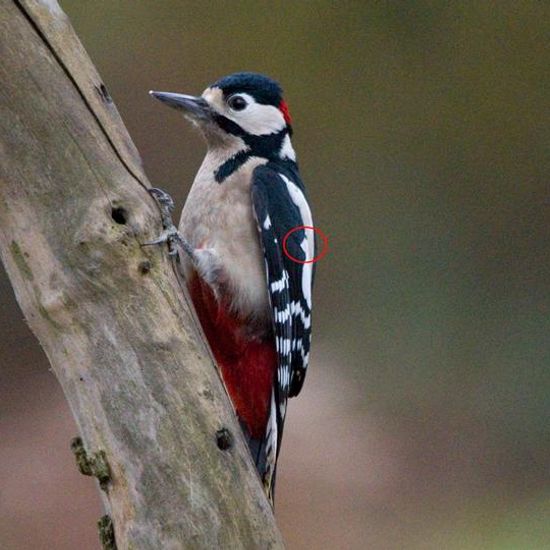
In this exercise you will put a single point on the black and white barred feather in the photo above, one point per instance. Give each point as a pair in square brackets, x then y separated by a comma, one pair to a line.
[280, 206]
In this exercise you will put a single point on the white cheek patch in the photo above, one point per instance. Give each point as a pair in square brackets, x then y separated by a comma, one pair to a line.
[256, 118]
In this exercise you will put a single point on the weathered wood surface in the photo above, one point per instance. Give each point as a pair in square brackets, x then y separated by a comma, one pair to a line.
[110, 314]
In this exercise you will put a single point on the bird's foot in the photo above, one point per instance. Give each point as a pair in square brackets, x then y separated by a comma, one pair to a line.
[165, 202]
[171, 237]
[170, 234]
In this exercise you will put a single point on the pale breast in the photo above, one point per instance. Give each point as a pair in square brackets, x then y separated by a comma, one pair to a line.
[220, 216]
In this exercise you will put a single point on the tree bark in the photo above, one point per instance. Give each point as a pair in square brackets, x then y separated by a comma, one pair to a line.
[112, 316]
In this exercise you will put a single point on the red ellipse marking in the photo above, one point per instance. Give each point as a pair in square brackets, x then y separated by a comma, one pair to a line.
[319, 256]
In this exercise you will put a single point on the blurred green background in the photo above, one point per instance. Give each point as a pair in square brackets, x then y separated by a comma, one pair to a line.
[423, 134]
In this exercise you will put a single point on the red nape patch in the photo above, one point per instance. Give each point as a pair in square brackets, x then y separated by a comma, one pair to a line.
[247, 366]
[283, 107]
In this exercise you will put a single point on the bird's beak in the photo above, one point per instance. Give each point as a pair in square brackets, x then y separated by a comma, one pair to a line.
[196, 108]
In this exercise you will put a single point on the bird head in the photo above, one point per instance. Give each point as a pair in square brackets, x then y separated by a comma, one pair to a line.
[243, 105]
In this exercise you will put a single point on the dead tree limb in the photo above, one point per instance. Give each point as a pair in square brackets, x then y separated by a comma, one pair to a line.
[110, 314]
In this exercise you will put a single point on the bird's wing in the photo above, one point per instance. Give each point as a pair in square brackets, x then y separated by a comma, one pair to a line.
[280, 206]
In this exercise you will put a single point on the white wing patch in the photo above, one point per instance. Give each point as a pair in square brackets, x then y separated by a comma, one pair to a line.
[281, 316]
[281, 284]
[297, 310]
[308, 244]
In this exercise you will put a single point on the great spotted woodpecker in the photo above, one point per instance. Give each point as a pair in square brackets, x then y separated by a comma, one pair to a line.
[252, 297]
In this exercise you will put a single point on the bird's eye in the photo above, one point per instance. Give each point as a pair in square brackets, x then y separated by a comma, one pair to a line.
[237, 102]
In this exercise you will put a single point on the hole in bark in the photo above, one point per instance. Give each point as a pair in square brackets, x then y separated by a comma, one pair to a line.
[144, 267]
[103, 93]
[224, 439]
[119, 215]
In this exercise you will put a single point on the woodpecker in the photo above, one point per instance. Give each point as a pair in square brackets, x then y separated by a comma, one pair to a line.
[251, 294]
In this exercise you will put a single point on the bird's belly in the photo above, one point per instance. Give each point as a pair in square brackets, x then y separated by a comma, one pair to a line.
[247, 363]
[220, 217]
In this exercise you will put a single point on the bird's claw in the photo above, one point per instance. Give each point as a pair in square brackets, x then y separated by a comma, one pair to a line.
[164, 200]
[166, 205]
[170, 235]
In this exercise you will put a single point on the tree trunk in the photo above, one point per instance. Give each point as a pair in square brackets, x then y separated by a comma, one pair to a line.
[111, 315]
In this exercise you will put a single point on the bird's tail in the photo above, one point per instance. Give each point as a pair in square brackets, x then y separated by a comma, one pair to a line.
[259, 450]
[264, 451]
